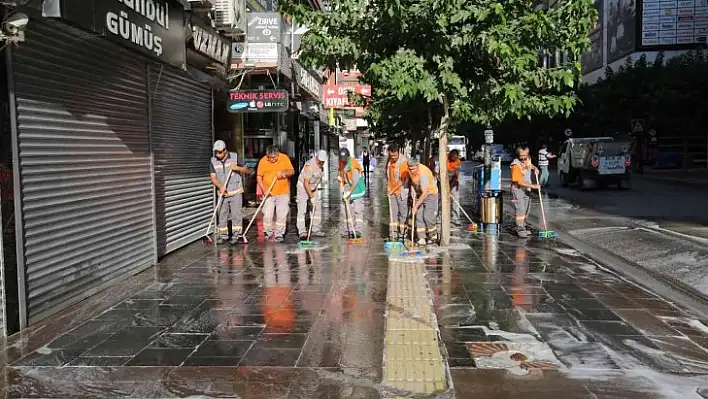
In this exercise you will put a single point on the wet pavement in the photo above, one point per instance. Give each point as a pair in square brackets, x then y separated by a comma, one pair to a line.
[510, 319]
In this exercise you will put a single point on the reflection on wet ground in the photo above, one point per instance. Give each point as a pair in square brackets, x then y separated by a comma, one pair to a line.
[531, 319]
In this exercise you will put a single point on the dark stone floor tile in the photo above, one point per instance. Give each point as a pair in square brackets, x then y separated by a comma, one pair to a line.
[646, 323]
[466, 362]
[127, 342]
[159, 357]
[205, 361]
[282, 341]
[321, 354]
[56, 358]
[271, 357]
[103, 361]
[139, 304]
[237, 333]
[457, 350]
[463, 334]
[609, 327]
[179, 341]
[223, 348]
[85, 342]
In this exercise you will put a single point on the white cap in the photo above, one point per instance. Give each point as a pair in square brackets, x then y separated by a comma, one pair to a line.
[219, 145]
[322, 155]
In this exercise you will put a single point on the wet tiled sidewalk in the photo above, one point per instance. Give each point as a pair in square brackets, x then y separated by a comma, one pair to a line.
[516, 319]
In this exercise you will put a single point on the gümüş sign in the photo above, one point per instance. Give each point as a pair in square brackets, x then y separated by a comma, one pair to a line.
[153, 27]
[274, 100]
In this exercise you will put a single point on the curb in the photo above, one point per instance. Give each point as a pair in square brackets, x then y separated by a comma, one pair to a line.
[699, 185]
[665, 286]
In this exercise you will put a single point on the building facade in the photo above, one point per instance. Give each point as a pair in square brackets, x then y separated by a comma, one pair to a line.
[110, 122]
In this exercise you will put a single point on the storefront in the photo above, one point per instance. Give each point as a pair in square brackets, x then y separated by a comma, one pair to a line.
[111, 137]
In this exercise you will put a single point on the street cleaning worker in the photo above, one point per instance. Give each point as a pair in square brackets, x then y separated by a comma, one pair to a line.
[231, 206]
[453, 173]
[351, 179]
[398, 186]
[543, 162]
[424, 189]
[275, 166]
[521, 187]
[307, 183]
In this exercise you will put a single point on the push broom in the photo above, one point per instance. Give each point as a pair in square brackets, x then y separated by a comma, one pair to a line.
[307, 243]
[470, 227]
[207, 239]
[388, 245]
[350, 223]
[244, 240]
[545, 233]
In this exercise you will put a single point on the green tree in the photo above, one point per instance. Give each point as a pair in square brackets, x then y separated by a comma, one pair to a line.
[477, 60]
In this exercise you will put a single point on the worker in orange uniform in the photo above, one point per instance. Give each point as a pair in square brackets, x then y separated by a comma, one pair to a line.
[424, 192]
[275, 167]
[398, 187]
[521, 186]
[453, 173]
[351, 177]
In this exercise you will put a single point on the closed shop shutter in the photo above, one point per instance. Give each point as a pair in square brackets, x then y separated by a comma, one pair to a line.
[84, 165]
[181, 143]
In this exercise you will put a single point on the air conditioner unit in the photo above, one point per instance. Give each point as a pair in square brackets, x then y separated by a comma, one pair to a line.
[230, 15]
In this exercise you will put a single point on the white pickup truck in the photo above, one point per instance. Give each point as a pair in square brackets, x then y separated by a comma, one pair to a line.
[595, 162]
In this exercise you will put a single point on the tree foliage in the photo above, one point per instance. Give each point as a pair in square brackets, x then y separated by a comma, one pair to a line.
[668, 95]
[481, 55]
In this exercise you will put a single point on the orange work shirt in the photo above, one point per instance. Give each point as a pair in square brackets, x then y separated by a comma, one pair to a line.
[267, 170]
[403, 175]
[452, 166]
[424, 173]
[348, 176]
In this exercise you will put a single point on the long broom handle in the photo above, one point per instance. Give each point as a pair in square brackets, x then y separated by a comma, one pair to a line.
[540, 201]
[218, 202]
[390, 213]
[312, 214]
[461, 208]
[265, 197]
[413, 211]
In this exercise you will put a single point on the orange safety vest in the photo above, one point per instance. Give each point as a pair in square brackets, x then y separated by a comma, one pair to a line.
[432, 183]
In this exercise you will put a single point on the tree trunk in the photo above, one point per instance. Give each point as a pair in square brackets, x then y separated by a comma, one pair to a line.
[444, 180]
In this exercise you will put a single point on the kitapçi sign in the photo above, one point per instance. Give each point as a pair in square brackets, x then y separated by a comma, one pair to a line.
[267, 100]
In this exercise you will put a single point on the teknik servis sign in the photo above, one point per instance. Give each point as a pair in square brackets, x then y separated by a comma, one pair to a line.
[267, 100]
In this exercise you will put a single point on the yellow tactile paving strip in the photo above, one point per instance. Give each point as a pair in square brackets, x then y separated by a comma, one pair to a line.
[412, 358]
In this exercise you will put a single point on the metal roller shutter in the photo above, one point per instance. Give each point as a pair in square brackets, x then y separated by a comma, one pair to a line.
[84, 165]
[181, 144]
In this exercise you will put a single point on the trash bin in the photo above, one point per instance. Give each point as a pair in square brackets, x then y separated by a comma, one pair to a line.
[491, 207]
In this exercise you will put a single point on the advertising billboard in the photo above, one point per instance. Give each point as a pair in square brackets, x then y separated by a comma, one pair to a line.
[621, 28]
[677, 24]
[274, 100]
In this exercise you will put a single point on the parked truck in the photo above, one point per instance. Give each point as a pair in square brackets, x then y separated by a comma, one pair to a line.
[458, 143]
[595, 162]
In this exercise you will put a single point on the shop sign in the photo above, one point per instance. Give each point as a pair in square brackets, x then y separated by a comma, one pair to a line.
[337, 96]
[210, 44]
[307, 81]
[267, 100]
[153, 27]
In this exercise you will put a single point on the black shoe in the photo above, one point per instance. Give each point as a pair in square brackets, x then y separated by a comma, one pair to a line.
[268, 237]
[279, 239]
[358, 234]
[303, 237]
[319, 234]
[220, 241]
